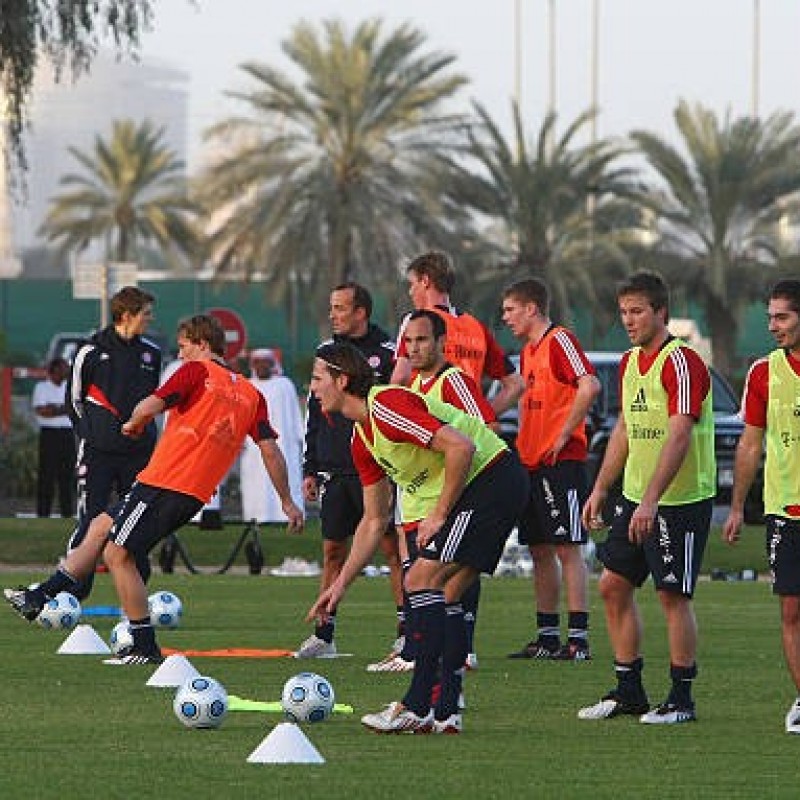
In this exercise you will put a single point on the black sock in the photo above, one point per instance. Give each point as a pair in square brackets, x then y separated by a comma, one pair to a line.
[144, 635]
[469, 602]
[681, 692]
[454, 655]
[548, 629]
[59, 581]
[327, 629]
[401, 621]
[629, 680]
[426, 625]
[578, 622]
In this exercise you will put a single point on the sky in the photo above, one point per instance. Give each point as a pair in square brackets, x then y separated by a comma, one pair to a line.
[650, 54]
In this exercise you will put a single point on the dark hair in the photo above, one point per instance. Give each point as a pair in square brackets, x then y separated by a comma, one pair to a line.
[651, 285]
[59, 362]
[131, 299]
[343, 359]
[437, 323]
[361, 296]
[788, 289]
[530, 290]
[436, 266]
[204, 328]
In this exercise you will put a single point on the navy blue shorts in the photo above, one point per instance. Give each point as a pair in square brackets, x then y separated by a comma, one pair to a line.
[478, 525]
[553, 514]
[672, 553]
[783, 552]
[149, 514]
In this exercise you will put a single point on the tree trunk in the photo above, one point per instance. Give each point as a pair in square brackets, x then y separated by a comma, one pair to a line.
[723, 326]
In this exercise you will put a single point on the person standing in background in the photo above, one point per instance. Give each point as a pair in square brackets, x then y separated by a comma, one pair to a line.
[560, 386]
[56, 442]
[111, 373]
[260, 500]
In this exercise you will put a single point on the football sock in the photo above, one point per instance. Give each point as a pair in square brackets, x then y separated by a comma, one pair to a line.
[426, 625]
[629, 679]
[548, 629]
[681, 692]
[144, 635]
[469, 602]
[454, 655]
[578, 627]
[59, 581]
[327, 629]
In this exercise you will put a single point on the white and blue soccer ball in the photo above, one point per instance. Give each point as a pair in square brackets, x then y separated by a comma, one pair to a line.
[307, 697]
[201, 702]
[61, 611]
[166, 609]
[120, 637]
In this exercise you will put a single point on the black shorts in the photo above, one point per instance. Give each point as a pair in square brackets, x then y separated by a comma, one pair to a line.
[478, 525]
[672, 554]
[149, 514]
[341, 505]
[553, 514]
[783, 552]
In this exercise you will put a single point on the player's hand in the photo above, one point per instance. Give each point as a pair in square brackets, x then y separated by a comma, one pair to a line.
[295, 516]
[592, 514]
[310, 489]
[132, 430]
[732, 527]
[643, 522]
[325, 604]
[428, 528]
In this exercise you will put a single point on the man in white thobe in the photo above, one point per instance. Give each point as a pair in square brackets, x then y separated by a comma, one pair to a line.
[260, 501]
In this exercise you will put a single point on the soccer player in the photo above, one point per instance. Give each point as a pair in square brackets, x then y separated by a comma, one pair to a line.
[424, 339]
[454, 466]
[772, 413]
[328, 471]
[664, 442]
[212, 410]
[560, 386]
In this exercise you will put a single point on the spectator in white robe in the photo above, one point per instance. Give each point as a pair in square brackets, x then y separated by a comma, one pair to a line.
[260, 501]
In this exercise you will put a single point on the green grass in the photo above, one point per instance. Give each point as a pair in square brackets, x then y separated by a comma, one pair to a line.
[35, 541]
[73, 727]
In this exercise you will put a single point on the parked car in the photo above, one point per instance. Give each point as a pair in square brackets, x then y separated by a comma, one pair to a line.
[602, 418]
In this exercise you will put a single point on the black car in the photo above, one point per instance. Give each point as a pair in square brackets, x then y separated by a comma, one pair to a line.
[728, 427]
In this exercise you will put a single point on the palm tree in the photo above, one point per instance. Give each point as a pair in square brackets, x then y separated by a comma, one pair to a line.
[718, 209]
[326, 180]
[557, 204]
[131, 195]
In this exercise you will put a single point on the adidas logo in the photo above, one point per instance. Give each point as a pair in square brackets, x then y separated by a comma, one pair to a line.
[430, 547]
[639, 401]
[670, 578]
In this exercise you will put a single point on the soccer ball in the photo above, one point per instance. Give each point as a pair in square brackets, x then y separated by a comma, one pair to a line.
[61, 611]
[201, 703]
[307, 697]
[166, 609]
[120, 637]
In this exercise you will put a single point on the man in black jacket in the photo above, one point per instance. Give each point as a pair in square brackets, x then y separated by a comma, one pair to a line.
[111, 373]
[328, 470]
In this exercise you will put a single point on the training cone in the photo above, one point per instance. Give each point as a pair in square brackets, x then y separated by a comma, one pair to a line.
[287, 744]
[173, 672]
[83, 641]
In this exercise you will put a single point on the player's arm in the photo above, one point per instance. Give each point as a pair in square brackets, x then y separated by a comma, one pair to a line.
[588, 389]
[610, 469]
[511, 388]
[275, 464]
[378, 498]
[458, 452]
[144, 412]
[748, 457]
[401, 374]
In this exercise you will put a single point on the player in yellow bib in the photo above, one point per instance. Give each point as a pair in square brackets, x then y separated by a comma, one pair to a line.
[664, 442]
[453, 468]
[771, 409]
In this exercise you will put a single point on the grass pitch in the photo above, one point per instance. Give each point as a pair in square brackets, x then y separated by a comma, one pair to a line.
[73, 727]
